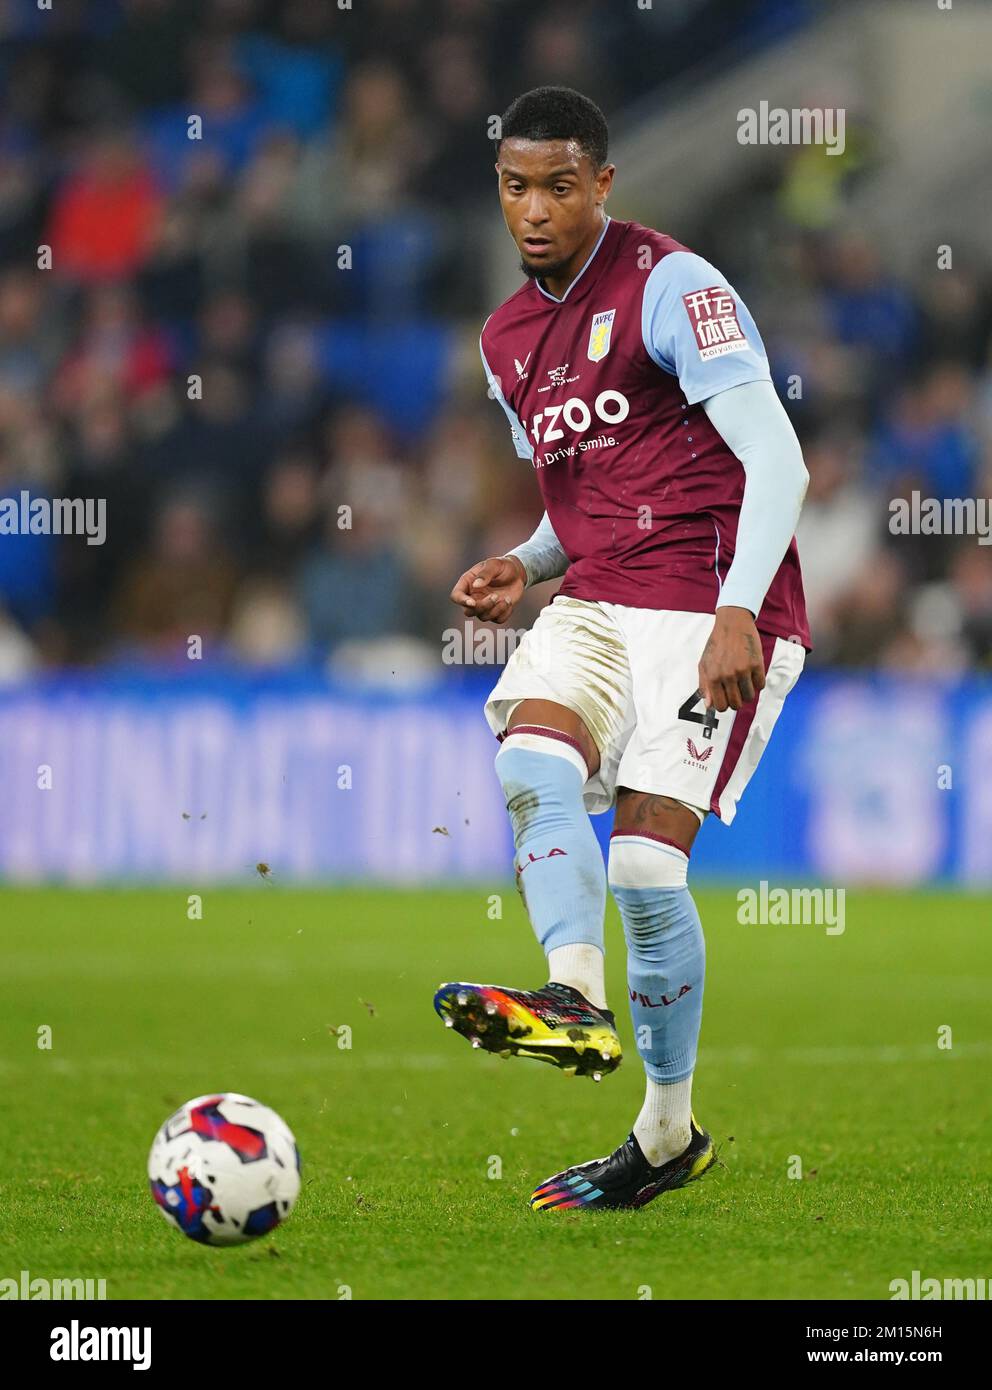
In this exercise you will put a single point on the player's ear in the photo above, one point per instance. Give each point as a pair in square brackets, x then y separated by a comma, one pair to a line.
[604, 182]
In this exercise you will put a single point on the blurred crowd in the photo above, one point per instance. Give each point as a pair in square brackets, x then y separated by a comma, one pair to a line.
[256, 333]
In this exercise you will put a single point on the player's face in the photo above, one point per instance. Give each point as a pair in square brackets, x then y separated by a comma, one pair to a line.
[552, 200]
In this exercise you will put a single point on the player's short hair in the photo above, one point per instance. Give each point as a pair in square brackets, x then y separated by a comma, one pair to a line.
[557, 113]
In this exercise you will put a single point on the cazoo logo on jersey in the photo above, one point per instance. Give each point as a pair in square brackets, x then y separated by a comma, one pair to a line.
[609, 408]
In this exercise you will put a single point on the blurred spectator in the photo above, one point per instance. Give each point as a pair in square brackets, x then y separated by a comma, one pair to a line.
[297, 72]
[114, 348]
[266, 625]
[928, 442]
[868, 306]
[229, 330]
[560, 50]
[26, 358]
[296, 395]
[959, 608]
[355, 585]
[872, 613]
[378, 149]
[212, 133]
[838, 529]
[460, 168]
[104, 216]
[971, 584]
[218, 441]
[957, 308]
[291, 515]
[183, 587]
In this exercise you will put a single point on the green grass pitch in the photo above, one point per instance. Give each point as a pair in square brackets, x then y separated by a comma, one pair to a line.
[823, 1047]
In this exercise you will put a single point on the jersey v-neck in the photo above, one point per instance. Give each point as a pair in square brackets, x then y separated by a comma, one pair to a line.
[587, 276]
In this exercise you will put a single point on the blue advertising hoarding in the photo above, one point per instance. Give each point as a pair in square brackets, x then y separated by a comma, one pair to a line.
[866, 780]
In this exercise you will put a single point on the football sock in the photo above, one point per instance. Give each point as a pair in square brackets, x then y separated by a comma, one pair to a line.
[580, 966]
[558, 862]
[662, 1127]
[666, 962]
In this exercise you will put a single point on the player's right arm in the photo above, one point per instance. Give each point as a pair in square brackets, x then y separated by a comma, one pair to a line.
[492, 588]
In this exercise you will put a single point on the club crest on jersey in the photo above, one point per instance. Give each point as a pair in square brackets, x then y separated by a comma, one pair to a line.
[600, 332]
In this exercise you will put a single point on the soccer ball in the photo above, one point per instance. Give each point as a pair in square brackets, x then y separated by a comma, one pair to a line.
[224, 1169]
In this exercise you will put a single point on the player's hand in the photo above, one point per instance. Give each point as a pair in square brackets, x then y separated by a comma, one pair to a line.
[731, 668]
[491, 589]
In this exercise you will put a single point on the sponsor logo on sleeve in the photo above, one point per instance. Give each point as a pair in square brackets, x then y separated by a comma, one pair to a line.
[713, 315]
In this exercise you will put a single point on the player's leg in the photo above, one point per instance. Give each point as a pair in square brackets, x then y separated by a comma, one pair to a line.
[678, 762]
[649, 855]
[548, 765]
[666, 959]
[547, 756]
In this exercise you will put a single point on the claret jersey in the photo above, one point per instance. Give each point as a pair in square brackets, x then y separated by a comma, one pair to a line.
[603, 392]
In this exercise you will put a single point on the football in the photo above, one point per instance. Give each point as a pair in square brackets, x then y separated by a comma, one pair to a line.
[224, 1169]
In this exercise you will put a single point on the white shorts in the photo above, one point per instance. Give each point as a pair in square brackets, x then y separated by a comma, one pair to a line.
[632, 676]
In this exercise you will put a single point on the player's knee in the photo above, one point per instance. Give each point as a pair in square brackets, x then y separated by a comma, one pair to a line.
[549, 719]
[660, 818]
[542, 785]
[651, 841]
[637, 862]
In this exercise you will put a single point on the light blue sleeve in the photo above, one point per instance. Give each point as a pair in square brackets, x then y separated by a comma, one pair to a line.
[542, 556]
[753, 424]
[520, 441]
[696, 328]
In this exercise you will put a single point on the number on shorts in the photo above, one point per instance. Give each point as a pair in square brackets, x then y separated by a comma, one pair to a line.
[708, 720]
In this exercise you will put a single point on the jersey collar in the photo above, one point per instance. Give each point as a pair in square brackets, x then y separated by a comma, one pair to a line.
[592, 255]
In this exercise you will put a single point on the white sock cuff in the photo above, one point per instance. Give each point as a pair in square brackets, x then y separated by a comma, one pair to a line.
[550, 741]
[645, 861]
[663, 1128]
[581, 966]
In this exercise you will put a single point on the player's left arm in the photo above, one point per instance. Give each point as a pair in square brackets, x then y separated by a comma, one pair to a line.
[753, 423]
[697, 328]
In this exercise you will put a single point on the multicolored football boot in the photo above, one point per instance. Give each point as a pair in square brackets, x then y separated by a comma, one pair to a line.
[625, 1179]
[555, 1024]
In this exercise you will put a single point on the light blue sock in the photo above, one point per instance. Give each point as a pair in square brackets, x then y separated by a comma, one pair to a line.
[558, 862]
[666, 965]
